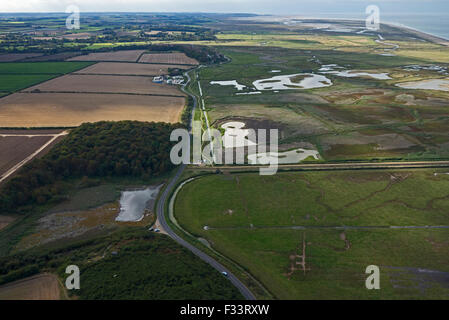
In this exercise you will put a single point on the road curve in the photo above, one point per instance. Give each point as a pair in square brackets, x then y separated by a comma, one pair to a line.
[160, 212]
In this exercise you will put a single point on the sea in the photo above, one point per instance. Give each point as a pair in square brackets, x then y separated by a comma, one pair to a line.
[436, 24]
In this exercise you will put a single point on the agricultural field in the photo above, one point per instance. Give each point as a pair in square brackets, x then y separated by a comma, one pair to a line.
[57, 68]
[16, 148]
[10, 57]
[5, 221]
[310, 235]
[167, 58]
[13, 82]
[38, 287]
[67, 100]
[137, 69]
[15, 76]
[76, 83]
[53, 57]
[120, 56]
[73, 109]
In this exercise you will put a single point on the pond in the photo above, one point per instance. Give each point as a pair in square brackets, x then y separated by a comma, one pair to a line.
[133, 203]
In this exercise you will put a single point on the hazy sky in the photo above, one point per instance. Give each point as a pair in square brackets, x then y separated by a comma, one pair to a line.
[256, 6]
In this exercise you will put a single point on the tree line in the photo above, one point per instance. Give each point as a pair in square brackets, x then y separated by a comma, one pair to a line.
[102, 149]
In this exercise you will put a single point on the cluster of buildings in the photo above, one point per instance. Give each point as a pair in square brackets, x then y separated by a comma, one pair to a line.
[169, 80]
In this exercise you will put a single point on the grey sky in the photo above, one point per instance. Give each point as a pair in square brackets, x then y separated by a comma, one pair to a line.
[305, 7]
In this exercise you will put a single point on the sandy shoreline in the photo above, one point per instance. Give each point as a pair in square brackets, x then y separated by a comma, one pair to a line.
[412, 31]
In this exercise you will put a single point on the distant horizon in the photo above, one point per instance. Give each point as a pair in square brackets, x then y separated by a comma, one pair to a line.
[281, 7]
[423, 22]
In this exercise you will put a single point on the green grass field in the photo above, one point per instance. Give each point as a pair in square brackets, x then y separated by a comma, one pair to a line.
[16, 76]
[41, 67]
[14, 82]
[259, 223]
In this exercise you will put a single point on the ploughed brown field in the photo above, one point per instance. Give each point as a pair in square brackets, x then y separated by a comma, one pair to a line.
[75, 83]
[38, 287]
[15, 149]
[72, 109]
[5, 221]
[9, 57]
[125, 55]
[52, 57]
[122, 68]
[167, 58]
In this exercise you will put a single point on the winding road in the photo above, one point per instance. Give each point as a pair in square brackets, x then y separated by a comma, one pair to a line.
[160, 212]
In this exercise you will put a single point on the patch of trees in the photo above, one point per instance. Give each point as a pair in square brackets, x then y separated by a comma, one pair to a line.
[187, 113]
[102, 149]
[203, 54]
[147, 266]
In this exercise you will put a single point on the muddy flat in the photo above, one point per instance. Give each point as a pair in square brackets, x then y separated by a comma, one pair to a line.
[106, 84]
[38, 287]
[73, 109]
[122, 68]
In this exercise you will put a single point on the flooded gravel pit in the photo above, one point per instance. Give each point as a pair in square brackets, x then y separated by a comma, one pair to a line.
[133, 203]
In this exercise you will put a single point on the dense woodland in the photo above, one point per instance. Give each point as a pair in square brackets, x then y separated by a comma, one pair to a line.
[125, 148]
[202, 54]
[145, 265]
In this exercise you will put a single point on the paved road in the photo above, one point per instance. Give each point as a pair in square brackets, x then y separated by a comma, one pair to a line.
[327, 227]
[160, 211]
[340, 166]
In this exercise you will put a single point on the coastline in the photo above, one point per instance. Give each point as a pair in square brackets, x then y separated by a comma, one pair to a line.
[422, 34]
[404, 28]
